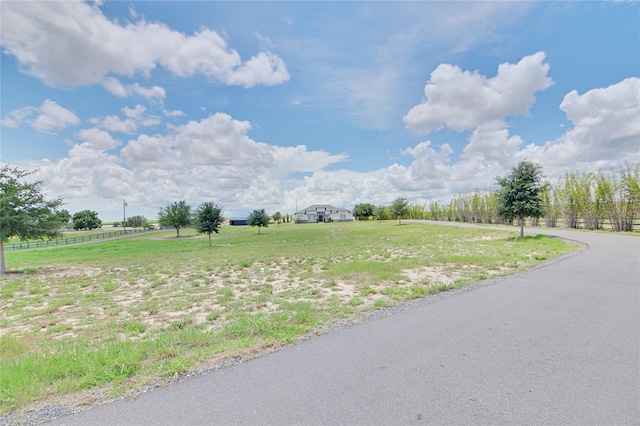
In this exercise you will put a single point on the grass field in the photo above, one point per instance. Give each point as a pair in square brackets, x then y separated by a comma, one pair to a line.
[128, 312]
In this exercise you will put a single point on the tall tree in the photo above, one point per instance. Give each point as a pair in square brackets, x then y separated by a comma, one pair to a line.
[400, 208]
[208, 218]
[521, 193]
[86, 219]
[24, 210]
[258, 218]
[176, 214]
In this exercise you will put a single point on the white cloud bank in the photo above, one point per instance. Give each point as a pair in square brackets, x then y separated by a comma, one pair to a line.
[73, 43]
[216, 159]
[210, 159]
[606, 130]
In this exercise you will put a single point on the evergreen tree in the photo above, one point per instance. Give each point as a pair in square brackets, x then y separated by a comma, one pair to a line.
[208, 218]
[86, 219]
[521, 193]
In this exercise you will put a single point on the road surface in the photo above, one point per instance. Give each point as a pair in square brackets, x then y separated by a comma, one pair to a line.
[559, 344]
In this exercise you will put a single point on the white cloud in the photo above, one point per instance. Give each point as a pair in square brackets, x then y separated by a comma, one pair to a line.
[173, 113]
[74, 44]
[491, 142]
[216, 159]
[136, 118]
[115, 87]
[47, 118]
[463, 100]
[99, 139]
[606, 129]
[210, 159]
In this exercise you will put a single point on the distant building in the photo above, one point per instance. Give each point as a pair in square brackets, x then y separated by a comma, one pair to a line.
[323, 213]
[239, 221]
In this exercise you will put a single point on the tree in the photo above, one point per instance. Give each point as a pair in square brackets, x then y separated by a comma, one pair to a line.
[86, 219]
[521, 193]
[24, 211]
[176, 214]
[64, 217]
[208, 218]
[258, 218]
[137, 222]
[363, 211]
[277, 217]
[400, 208]
[380, 213]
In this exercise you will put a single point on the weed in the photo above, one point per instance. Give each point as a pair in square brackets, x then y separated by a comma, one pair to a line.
[356, 301]
[109, 287]
[382, 303]
[214, 315]
[134, 327]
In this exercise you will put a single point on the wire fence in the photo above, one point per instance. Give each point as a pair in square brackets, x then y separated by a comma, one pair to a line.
[72, 240]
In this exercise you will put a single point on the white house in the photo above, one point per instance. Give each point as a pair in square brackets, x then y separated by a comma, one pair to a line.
[323, 213]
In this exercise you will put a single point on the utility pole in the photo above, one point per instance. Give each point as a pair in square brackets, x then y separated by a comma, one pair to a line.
[124, 216]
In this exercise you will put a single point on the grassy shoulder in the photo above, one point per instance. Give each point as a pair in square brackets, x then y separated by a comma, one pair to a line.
[128, 312]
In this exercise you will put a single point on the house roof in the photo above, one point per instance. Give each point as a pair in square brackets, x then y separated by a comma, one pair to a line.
[321, 208]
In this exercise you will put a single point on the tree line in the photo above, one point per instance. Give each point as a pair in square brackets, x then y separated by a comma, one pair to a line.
[578, 200]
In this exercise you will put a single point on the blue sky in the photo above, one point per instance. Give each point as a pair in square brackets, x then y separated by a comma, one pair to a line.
[282, 104]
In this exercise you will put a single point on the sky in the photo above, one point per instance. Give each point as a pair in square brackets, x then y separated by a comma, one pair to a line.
[281, 105]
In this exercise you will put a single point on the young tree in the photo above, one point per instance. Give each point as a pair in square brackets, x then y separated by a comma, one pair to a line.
[208, 218]
[24, 210]
[176, 214]
[277, 217]
[258, 218]
[521, 193]
[87, 220]
[400, 208]
[363, 211]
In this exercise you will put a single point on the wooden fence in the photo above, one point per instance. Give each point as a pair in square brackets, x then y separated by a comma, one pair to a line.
[72, 240]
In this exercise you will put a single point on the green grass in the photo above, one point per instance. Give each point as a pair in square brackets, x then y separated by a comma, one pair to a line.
[130, 311]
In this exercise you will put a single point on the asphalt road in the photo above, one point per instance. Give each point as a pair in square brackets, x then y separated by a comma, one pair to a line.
[559, 344]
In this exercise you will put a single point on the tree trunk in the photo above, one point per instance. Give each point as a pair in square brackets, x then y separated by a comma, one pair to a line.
[521, 226]
[2, 266]
[177, 232]
[209, 239]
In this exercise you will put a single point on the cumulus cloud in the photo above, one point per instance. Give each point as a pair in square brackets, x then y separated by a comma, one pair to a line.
[74, 44]
[136, 117]
[99, 139]
[210, 159]
[47, 118]
[215, 159]
[115, 87]
[606, 129]
[463, 100]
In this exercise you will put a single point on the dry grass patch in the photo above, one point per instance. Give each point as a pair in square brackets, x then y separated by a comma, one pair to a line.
[130, 312]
